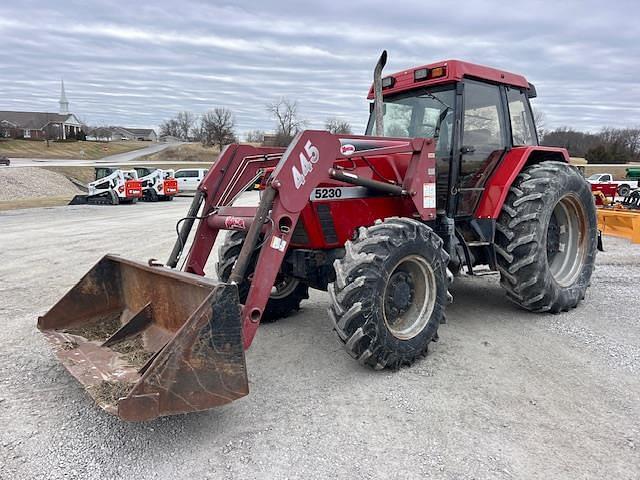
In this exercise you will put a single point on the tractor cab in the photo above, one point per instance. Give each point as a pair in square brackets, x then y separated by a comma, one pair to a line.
[475, 113]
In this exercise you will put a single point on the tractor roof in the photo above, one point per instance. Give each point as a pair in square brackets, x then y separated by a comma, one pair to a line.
[446, 71]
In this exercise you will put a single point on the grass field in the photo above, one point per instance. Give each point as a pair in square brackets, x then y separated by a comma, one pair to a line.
[61, 150]
[186, 152]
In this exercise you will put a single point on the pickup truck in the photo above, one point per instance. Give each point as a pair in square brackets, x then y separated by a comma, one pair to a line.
[624, 186]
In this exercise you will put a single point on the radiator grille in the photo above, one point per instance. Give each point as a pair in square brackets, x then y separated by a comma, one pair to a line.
[326, 223]
[300, 234]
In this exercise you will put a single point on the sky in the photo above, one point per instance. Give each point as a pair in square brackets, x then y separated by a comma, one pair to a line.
[137, 63]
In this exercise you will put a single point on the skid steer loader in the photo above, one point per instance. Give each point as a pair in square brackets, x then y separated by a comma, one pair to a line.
[158, 185]
[448, 176]
[115, 187]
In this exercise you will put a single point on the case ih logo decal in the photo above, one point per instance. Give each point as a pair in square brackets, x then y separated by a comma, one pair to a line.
[234, 223]
[310, 156]
[347, 149]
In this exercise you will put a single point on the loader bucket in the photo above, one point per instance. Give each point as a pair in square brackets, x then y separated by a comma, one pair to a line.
[147, 341]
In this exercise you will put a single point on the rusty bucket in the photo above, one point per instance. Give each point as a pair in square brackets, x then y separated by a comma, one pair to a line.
[148, 341]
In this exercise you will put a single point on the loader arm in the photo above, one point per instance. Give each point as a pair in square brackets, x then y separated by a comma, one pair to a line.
[312, 158]
[229, 176]
[148, 341]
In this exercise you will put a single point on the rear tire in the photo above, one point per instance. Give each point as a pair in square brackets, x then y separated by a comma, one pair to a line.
[390, 292]
[288, 292]
[546, 238]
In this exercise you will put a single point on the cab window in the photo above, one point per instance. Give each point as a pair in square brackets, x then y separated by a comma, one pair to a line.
[522, 127]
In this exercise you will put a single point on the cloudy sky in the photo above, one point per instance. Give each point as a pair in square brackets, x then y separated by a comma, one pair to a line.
[137, 63]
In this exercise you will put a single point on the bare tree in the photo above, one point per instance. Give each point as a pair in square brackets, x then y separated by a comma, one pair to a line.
[540, 119]
[5, 129]
[337, 126]
[610, 145]
[100, 133]
[285, 113]
[196, 131]
[170, 128]
[185, 122]
[217, 127]
[254, 136]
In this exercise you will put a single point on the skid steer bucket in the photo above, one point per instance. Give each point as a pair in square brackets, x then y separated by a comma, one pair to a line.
[148, 341]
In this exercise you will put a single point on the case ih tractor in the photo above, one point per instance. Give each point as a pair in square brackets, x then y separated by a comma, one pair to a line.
[448, 177]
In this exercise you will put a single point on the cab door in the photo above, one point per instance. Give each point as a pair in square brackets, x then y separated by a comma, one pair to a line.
[484, 141]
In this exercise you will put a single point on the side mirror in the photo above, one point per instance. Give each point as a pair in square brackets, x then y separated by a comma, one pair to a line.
[467, 149]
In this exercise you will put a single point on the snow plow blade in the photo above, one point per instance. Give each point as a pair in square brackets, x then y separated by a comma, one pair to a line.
[148, 341]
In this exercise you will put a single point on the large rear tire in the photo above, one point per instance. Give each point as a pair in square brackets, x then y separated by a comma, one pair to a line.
[390, 292]
[287, 293]
[546, 238]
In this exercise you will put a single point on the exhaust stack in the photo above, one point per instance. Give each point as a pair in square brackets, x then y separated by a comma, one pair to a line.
[377, 94]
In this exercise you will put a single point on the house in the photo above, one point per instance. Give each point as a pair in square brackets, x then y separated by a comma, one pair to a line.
[41, 125]
[169, 139]
[141, 134]
[100, 134]
[270, 140]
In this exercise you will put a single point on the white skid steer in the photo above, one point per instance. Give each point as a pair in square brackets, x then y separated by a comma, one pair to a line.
[119, 186]
[159, 185]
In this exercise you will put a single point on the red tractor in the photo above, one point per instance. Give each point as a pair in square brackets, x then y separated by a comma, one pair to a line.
[448, 177]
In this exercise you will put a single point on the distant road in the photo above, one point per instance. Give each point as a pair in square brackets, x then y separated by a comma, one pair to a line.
[119, 158]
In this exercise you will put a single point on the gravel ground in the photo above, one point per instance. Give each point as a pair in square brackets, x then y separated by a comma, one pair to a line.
[505, 394]
[32, 182]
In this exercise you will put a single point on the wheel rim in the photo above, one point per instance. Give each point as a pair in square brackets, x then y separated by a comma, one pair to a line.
[566, 240]
[284, 287]
[409, 297]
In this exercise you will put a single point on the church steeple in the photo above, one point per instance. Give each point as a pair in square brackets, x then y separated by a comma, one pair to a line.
[64, 103]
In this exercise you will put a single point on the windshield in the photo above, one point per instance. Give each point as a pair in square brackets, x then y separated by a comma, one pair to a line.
[595, 176]
[416, 114]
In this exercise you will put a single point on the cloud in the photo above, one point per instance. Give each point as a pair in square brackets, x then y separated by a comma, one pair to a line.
[141, 64]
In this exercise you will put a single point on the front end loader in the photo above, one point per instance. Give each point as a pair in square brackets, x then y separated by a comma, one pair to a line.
[453, 182]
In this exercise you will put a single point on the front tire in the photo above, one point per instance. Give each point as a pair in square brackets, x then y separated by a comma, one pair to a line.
[546, 238]
[287, 293]
[390, 292]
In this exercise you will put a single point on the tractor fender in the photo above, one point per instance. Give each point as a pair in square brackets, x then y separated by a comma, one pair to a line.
[498, 185]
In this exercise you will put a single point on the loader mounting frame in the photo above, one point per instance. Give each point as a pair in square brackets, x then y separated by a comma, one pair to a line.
[313, 158]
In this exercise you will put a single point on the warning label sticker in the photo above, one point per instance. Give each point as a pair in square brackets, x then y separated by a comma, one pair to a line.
[278, 243]
[428, 195]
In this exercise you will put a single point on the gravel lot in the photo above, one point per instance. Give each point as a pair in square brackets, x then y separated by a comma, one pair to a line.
[505, 394]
